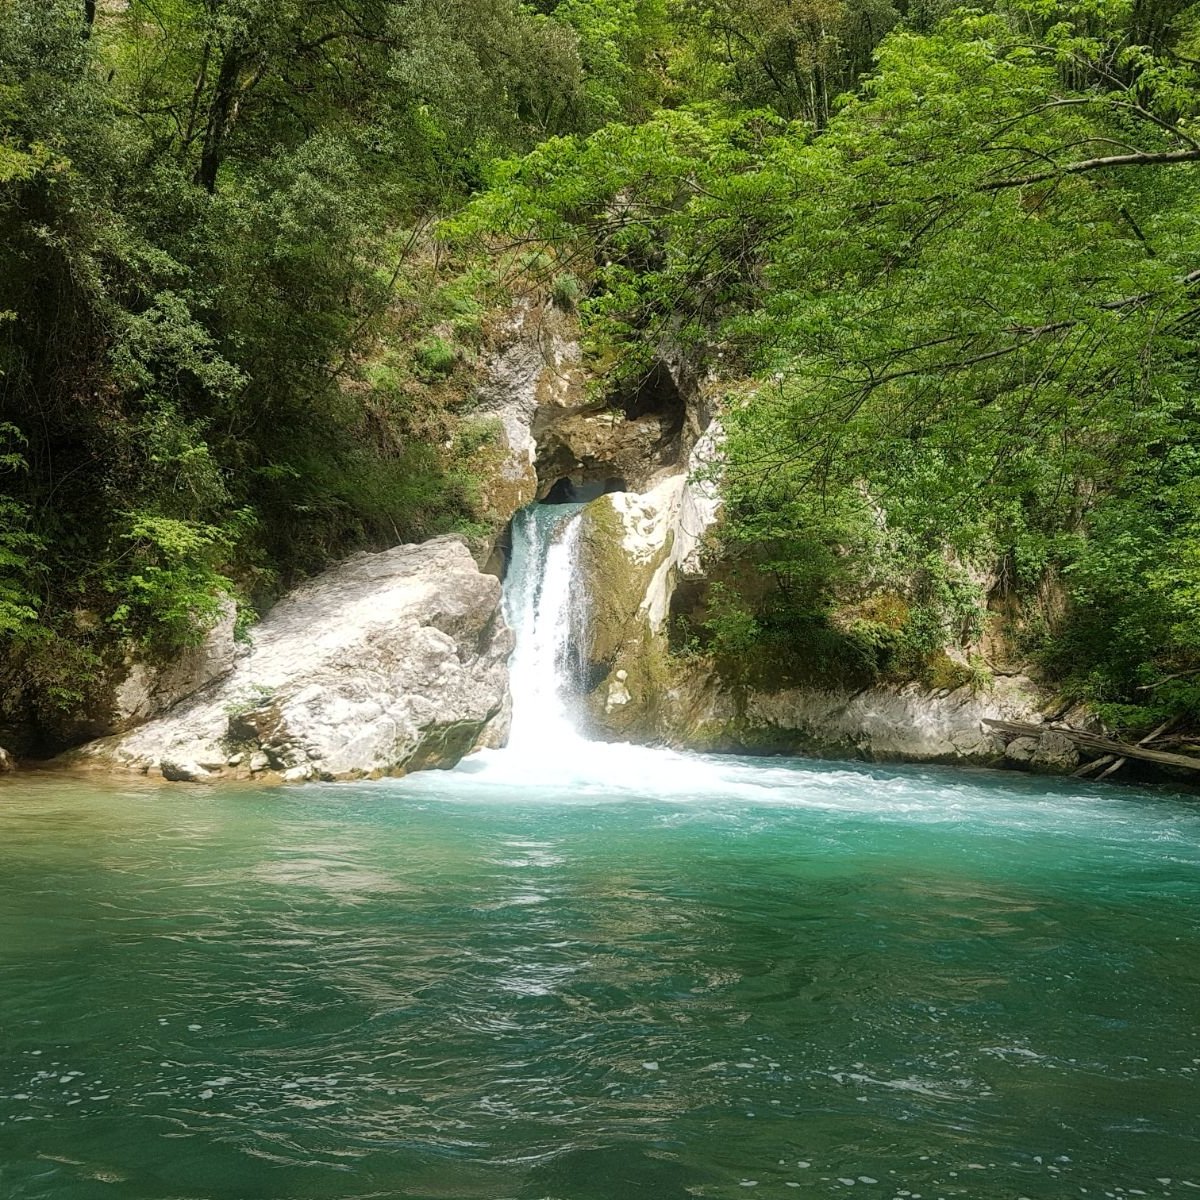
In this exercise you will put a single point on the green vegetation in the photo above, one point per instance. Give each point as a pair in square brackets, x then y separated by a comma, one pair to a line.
[943, 261]
[214, 256]
[956, 312]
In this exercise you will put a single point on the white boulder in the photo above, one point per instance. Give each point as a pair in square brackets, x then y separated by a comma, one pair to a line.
[387, 663]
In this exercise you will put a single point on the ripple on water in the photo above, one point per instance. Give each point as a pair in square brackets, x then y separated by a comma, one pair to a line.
[727, 975]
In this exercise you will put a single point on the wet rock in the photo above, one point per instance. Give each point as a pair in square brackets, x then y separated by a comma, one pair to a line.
[7, 762]
[908, 722]
[182, 771]
[618, 693]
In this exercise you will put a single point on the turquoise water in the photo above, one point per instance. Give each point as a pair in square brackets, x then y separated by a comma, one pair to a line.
[737, 979]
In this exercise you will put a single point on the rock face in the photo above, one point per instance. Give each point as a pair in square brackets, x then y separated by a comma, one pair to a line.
[534, 379]
[905, 723]
[634, 547]
[635, 550]
[551, 428]
[149, 689]
[386, 664]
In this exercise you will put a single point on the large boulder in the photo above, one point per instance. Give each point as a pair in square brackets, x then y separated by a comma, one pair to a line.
[388, 663]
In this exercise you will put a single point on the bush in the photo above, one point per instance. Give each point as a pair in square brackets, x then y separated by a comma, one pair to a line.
[565, 291]
[435, 358]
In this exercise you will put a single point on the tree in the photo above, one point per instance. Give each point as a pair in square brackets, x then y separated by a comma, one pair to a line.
[963, 314]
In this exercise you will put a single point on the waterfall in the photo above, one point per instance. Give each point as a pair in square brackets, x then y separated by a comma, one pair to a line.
[545, 608]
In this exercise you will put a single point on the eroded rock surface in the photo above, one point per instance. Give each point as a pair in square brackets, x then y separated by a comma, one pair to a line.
[388, 663]
[152, 688]
[635, 550]
[534, 379]
[906, 723]
[634, 547]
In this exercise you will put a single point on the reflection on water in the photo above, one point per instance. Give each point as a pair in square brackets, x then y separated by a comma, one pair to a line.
[795, 978]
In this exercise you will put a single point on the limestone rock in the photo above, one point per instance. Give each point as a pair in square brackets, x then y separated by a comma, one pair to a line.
[150, 688]
[183, 771]
[607, 445]
[534, 378]
[634, 548]
[897, 723]
[1021, 750]
[1055, 753]
[388, 663]
[618, 693]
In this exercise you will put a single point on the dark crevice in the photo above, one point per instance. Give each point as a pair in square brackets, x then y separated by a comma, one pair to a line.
[576, 489]
[656, 394]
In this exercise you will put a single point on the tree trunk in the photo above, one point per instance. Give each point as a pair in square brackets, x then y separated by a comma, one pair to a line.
[1151, 21]
[222, 112]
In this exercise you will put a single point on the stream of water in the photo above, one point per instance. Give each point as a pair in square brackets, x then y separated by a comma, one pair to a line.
[573, 972]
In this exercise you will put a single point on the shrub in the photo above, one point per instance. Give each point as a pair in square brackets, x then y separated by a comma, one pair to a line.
[435, 358]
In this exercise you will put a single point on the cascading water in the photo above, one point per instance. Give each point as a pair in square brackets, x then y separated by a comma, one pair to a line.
[545, 608]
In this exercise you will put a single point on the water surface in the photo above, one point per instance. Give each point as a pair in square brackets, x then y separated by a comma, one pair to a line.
[700, 979]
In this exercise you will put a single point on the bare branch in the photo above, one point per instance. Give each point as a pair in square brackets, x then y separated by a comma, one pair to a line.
[1087, 165]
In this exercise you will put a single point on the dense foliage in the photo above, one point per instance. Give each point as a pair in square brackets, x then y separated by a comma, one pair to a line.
[956, 312]
[943, 262]
[211, 215]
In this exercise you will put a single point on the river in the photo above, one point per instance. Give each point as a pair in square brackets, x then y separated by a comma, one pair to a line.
[600, 973]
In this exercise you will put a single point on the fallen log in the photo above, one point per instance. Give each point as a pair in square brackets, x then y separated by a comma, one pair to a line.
[1105, 760]
[1091, 741]
[1112, 764]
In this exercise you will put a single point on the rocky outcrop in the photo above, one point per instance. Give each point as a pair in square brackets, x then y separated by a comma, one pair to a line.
[636, 548]
[150, 688]
[533, 380]
[7, 762]
[551, 430]
[897, 723]
[386, 664]
[629, 440]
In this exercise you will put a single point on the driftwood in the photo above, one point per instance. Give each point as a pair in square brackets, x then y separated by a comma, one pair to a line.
[1112, 764]
[1100, 745]
[1105, 760]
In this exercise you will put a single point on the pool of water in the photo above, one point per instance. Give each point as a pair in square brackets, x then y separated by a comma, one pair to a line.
[701, 979]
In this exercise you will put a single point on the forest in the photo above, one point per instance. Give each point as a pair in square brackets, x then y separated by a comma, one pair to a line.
[942, 262]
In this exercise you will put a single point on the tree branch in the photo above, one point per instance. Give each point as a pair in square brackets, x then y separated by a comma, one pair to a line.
[1095, 164]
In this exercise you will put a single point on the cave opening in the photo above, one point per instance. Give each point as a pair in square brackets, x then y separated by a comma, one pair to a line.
[567, 489]
[577, 489]
[657, 394]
